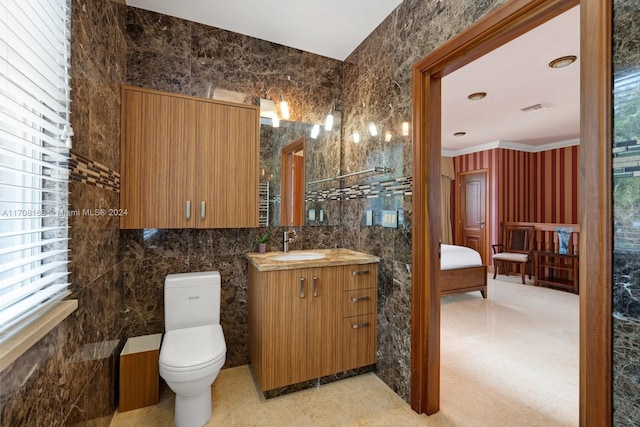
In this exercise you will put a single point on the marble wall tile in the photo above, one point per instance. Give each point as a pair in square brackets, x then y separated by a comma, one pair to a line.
[626, 199]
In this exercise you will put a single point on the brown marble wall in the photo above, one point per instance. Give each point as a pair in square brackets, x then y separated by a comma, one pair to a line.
[626, 212]
[69, 377]
[175, 55]
[377, 88]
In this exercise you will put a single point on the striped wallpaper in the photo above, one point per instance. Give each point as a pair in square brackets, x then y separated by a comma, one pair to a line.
[527, 187]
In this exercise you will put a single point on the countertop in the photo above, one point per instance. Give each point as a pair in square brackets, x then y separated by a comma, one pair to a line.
[265, 262]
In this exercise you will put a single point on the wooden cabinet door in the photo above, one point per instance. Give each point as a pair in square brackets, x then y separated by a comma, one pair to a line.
[285, 328]
[324, 345]
[228, 156]
[154, 189]
[359, 341]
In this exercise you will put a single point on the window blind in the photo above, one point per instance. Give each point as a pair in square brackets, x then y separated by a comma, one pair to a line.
[35, 138]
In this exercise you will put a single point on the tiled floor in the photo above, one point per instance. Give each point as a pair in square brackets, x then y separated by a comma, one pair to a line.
[509, 360]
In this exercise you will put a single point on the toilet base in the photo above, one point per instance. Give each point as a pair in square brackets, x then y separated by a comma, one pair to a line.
[193, 411]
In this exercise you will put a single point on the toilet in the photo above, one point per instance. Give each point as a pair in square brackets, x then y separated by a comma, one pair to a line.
[193, 349]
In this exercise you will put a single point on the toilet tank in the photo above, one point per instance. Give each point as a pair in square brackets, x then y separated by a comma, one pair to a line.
[191, 299]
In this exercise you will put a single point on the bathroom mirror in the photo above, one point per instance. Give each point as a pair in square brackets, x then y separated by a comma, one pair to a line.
[296, 167]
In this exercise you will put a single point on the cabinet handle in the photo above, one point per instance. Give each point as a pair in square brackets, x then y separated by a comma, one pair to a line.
[188, 206]
[360, 325]
[302, 287]
[315, 286]
[358, 273]
[202, 210]
[356, 299]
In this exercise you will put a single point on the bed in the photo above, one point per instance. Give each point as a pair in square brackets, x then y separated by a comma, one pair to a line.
[461, 270]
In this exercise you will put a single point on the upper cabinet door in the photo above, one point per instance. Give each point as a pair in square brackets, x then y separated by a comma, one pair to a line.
[188, 162]
[228, 163]
[155, 134]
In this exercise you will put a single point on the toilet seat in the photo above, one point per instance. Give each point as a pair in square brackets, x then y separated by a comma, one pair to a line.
[192, 349]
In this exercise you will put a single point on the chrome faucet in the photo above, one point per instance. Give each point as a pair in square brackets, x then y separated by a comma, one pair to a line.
[286, 239]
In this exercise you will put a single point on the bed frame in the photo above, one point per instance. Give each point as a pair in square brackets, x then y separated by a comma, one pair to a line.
[467, 279]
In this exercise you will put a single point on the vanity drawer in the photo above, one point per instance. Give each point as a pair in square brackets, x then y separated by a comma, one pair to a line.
[360, 276]
[360, 301]
[359, 339]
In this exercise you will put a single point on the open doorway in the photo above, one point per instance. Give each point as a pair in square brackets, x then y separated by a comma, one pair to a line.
[503, 25]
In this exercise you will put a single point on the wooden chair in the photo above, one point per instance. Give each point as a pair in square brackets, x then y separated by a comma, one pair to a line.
[516, 248]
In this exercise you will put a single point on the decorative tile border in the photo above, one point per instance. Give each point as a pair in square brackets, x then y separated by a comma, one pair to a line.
[626, 159]
[402, 185]
[86, 171]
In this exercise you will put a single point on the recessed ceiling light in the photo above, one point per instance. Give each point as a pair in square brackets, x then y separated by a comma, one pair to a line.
[459, 134]
[477, 96]
[563, 61]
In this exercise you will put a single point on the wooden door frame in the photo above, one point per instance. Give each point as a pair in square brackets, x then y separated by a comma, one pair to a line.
[506, 23]
[285, 181]
[487, 210]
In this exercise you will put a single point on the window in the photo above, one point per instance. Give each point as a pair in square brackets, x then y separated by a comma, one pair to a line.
[34, 154]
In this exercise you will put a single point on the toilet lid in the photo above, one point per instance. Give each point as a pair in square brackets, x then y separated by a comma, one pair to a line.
[192, 348]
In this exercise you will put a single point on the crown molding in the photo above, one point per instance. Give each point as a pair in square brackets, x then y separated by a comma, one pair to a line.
[510, 145]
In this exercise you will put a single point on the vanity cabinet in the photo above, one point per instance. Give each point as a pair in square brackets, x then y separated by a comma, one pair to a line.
[305, 324]
[187, 162]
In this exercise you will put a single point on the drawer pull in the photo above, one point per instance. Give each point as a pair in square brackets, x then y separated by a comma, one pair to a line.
[188, 210]
[360, 325]
[202, 210]
[356, 299]
[315, 286]
[359, 273]
[302, 287]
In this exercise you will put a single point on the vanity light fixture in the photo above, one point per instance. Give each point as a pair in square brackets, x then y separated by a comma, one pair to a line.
[459, 134]
[476, 96]
[356, 137]
[387, 136]
[315, 130]
[405, 128]
[328, 123]
[372, 129]
[276, 121]
[563, 61]
[284, 107]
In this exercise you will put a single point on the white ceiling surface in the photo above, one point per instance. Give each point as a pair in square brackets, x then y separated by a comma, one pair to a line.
[515, 76]
[331, 28]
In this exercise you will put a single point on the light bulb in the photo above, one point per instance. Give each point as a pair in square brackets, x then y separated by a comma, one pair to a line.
[328, 123]
[373, 130]
[284, 109]
[387, 136]
[315, 130]
[356, 137]
[405, 128]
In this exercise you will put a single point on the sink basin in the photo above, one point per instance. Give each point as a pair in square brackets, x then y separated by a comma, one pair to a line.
[300, 256]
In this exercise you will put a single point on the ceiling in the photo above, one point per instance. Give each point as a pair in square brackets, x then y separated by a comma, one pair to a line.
[331, 28]
[514, 76]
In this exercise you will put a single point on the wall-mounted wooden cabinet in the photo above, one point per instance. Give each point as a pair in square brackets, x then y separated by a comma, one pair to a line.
[307, 323]
[188, 162]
